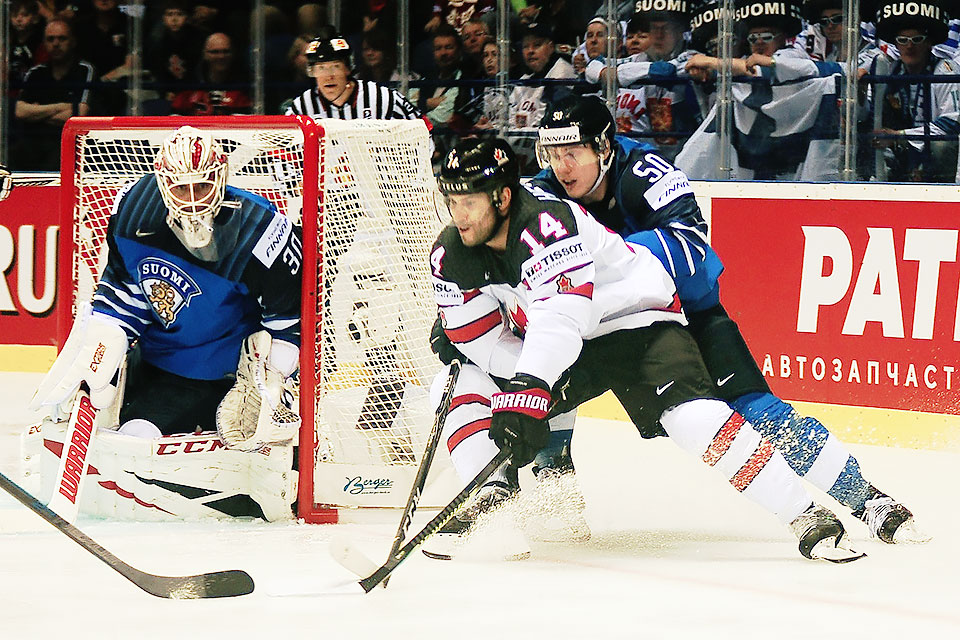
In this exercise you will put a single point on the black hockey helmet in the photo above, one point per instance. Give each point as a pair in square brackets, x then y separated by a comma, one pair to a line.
[930, 16]
[479, 165]
[576, 120]
[328, 50]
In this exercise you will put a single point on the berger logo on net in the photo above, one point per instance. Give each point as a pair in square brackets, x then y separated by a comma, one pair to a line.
[358, 485]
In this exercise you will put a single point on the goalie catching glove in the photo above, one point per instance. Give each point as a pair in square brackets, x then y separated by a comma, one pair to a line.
[519, 420]
[260, 408]
[93, 353]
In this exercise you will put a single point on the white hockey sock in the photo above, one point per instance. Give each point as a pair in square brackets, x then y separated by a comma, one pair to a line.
[723, 439]
[466, 432]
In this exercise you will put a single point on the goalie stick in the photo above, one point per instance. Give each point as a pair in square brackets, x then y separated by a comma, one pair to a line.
[74, 459]
[421, 478]
[218, 584]
[348, 556]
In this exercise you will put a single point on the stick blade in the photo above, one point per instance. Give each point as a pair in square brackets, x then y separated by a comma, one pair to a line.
[348, 556]
[219, 584]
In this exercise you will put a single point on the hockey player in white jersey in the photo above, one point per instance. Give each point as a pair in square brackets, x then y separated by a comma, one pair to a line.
[202, 290]
[553, 309]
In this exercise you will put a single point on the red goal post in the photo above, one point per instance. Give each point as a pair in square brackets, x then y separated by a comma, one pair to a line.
[364, 190]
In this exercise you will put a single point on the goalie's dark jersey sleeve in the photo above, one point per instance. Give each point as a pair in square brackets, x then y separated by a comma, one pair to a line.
[563, 279]
[191, 316]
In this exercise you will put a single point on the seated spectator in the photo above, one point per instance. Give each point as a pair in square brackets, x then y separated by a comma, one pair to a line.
[638, 36]
[671, 105]
[496, 104]
[594, 45]
[52, 92]
[176, 51]
[473, 34]
[217, 69]
[823, 39]
[529, 103]
[378, 61]
[441, 104]
[919, 108]
[26, 41]
[103, 42]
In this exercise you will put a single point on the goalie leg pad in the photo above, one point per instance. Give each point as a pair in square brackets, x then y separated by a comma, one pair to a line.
[173, 478]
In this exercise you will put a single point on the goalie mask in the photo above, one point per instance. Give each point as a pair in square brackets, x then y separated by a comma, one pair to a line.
[191, 170]
[577, 120]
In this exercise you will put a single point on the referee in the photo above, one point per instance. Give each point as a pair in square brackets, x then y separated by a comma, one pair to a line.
[339, 95]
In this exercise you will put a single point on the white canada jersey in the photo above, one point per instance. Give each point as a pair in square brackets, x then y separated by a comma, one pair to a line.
[368, 101]
[564, 278]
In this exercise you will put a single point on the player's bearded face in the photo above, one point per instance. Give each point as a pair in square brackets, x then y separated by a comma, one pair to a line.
[474, 216]
[576, 166]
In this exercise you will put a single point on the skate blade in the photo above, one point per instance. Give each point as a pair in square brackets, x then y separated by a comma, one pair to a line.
[442, 546]
[838, 552]
[909, 533]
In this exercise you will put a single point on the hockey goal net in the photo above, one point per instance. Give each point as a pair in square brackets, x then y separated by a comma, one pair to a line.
[366, 198]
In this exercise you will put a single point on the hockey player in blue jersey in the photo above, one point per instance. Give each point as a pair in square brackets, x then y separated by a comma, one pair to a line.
[203, 279]
[644, 198]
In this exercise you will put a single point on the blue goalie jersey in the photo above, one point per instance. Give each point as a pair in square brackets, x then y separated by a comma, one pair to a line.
[190, 316]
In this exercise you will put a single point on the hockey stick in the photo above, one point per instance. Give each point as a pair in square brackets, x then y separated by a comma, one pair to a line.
[434, 525]
[421, 478]
[74, 458]
[218, 584]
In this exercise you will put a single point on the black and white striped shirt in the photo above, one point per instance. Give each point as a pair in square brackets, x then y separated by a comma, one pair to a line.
[369, 101]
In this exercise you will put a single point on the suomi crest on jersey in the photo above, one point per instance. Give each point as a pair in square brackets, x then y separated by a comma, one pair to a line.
[167, 287]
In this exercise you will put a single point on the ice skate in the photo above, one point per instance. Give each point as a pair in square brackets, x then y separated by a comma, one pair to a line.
[822, 536]
[890, 521]
[450, 539]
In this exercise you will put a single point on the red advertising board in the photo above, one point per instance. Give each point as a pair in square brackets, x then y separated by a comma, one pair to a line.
[850, 302]
[28, 265]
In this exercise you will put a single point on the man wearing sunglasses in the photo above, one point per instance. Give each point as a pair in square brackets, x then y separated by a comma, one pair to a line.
[823, 39]
[914, 110]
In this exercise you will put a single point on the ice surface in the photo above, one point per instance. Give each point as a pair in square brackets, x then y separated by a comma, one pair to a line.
[675, 554]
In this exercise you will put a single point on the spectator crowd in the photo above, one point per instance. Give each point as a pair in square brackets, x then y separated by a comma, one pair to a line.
[73, 58]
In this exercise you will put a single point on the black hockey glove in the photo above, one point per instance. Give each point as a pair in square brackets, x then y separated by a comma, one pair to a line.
[519, 418]
[441, 345]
